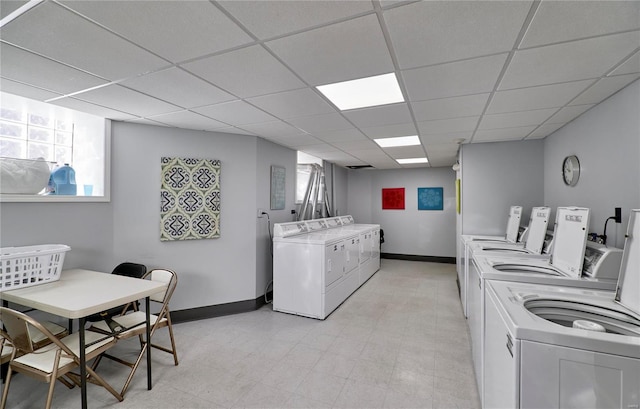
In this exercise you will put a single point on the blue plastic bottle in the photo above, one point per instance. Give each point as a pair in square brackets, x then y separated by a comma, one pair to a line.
[63, 181]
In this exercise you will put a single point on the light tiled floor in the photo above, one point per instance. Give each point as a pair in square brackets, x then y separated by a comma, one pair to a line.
[400, 341]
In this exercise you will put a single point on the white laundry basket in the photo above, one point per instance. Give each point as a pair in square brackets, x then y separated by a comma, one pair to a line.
[30, 265]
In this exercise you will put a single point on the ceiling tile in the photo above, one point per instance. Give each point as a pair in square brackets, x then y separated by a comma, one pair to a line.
[406, 129]
[442, 161]
[25, 90]
[320, 148]
[567, 114]
[447, 138]
[9, 7]
[291, 104]
[188, 120]
[446, 108]
[441, 126]
[632, 65]
[433, 32]
[515, 119]
[343, 51]
[247, 72]
[296, 141]
[379, 116]
[66, 37]
[544, 130]
[133, 102]
[382, 163]
[403, 152]
[235, 131]
[273, 129]
[146, 121]
[604, 88]
[546, 96]
[237, 113]
[93, 109]
[266, 19]
[504, 134]
[576, 60]
[341, 135]
[175, 30]
[359, 145]
[321, 123]
[29, 68]
[178, 87]
[557, 21]
[442, 148]
[454, 79]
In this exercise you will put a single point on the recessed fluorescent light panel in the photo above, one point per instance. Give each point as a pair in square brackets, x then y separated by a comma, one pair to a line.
[409, 161]
[398, 141]
[364, 92]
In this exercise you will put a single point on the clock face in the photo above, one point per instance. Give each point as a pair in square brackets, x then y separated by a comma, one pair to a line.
[571, 170]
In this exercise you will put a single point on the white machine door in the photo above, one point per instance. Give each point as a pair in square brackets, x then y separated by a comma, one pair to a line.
[334, 262]
[352, 253]
[375, 242]
[500, 359]
[559, 377]
[365, 246]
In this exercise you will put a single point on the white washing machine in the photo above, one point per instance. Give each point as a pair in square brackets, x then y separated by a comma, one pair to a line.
[511, 236]
[533, 246]
[567, 267]
[560, 347]
[369, 246]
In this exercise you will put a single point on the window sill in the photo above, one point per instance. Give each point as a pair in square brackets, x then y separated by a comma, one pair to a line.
[51, 199]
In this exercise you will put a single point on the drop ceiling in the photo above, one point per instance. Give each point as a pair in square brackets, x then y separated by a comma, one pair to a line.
[470, 72]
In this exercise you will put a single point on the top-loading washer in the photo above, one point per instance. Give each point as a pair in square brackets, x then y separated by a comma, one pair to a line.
[533, 246]
[566, 267]
[562, 347]
[511, 236]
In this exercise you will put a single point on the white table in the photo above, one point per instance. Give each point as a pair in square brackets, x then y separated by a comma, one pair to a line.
[80, 293]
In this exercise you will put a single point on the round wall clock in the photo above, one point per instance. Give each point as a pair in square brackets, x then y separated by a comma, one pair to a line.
[571, 170]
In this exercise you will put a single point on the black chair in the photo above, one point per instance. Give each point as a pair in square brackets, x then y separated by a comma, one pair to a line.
[127, 269]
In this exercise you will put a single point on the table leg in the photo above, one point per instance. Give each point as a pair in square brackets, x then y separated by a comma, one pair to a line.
[83, 364]
[147, 306]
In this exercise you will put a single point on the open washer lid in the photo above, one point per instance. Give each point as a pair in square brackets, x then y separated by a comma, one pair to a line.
[628, 289]
[537, 229]
[570, 237]
[513, 223]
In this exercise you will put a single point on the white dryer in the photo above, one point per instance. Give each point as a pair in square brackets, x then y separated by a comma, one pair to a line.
[313, 272]
[565, 268]
[561, 347]
[511, 236]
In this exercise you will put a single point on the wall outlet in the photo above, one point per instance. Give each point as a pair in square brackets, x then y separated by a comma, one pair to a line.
[618, 215]
[260, 213]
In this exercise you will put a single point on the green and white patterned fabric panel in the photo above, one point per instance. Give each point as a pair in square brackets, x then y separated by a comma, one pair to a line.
[189, 199]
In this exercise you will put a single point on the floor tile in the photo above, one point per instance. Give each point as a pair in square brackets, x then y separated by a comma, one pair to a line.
[400, 341]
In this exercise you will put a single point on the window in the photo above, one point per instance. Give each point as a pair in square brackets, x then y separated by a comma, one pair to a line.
[303, 173]
[37, 138]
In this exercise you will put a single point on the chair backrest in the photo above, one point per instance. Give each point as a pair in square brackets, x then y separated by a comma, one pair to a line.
[163, 276]
[128, 269]
[17, 325]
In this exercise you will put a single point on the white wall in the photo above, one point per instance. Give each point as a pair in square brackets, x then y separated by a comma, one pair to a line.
[213, 271]
[495, 176]
[606, 140]
[270, 154]
[409, 231]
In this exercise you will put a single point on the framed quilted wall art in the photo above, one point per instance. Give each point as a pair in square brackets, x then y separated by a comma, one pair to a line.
[393, 198]
[189, 199]
[430, 198]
